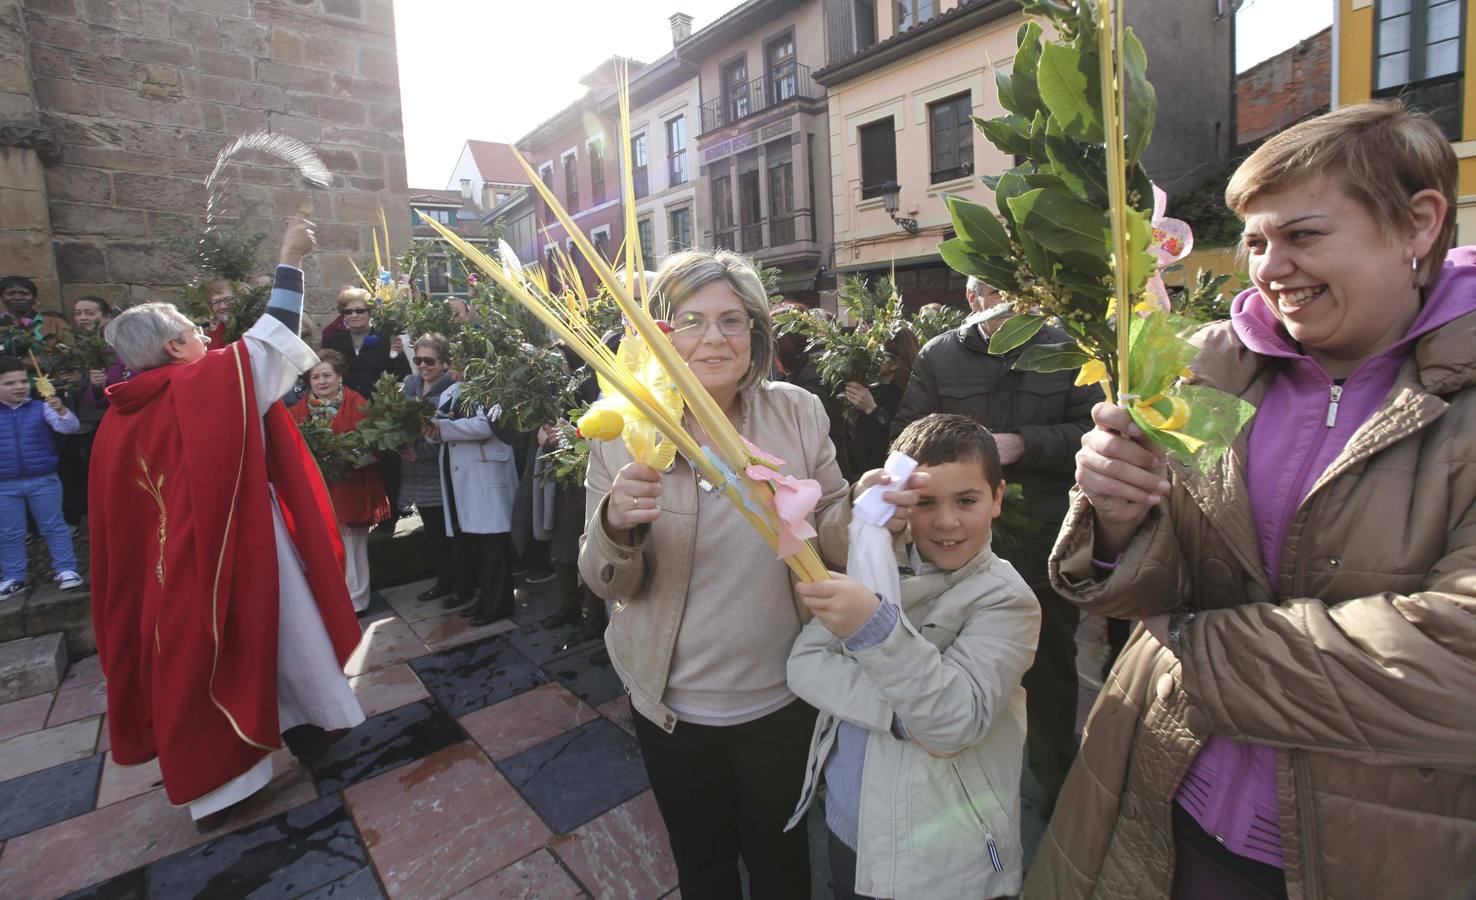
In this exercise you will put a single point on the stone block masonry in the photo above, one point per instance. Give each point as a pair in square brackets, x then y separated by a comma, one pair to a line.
[141, 95]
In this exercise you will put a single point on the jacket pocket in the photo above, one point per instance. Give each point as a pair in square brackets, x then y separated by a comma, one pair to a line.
[945, 829]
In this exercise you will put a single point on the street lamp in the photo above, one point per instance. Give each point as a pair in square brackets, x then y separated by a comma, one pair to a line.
[890, 190]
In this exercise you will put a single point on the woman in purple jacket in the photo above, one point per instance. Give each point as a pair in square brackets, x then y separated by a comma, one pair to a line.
[1295, 718]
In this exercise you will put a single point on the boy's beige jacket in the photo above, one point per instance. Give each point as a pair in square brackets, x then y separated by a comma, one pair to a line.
[950, 671]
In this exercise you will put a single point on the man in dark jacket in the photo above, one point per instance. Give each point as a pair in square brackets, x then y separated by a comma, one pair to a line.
[1038, 420]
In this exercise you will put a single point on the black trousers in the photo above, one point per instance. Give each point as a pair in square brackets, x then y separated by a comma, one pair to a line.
[1051, 695]
[484, 564]
[726, 792]
[434, 520]
[842, 870]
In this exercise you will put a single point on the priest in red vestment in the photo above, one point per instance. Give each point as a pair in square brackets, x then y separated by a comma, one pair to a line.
[222, 619]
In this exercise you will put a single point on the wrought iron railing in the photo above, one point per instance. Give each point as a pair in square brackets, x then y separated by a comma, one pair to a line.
[782, 83]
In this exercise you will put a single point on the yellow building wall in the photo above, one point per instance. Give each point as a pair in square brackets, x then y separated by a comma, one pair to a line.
[1355, 85]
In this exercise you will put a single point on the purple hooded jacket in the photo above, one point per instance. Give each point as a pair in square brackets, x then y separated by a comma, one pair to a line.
[1300, 427]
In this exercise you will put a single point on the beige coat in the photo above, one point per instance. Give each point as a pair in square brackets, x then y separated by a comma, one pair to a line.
[1364, 677]
[951, 672]
[646, 583]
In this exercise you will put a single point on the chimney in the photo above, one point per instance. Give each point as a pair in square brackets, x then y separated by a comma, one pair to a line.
[466, 189]
[681, 27]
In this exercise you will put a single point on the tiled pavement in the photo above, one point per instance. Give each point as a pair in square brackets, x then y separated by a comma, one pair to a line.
[495, 763]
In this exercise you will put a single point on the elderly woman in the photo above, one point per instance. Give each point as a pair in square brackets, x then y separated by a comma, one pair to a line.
[359, 502]
[1296, 718]
[478, 478]
[704, 614]
[222, 631]
[421, 482]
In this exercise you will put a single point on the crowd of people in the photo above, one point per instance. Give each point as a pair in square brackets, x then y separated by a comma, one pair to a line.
[1290, 715]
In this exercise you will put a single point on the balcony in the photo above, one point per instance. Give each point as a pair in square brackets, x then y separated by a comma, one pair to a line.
[776, 233]
[784, 83]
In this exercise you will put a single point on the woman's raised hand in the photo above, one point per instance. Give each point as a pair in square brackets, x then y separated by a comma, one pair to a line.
[1122, 474]
[634, 498]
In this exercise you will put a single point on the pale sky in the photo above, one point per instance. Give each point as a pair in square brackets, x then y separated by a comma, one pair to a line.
[493, 69]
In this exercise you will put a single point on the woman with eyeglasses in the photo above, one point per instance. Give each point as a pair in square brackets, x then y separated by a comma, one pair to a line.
[368, 355]
[703, 613]
[421, 482]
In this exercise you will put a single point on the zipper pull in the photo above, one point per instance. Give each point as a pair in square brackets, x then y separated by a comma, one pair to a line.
[994, 853]
[1335, 394]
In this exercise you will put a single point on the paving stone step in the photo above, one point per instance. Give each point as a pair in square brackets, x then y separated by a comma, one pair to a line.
[31, 666]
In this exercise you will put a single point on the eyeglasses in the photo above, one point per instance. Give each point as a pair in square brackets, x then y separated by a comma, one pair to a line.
[427, 361]
[356, 311]
[729, 324]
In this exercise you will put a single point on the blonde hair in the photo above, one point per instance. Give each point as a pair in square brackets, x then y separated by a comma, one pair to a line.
[682, 274]
[349, 295]
[1381, 155]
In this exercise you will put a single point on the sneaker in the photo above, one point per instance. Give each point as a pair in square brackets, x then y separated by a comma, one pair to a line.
[1091, 659]
[68, 580]
[539, 576]
[11, 586]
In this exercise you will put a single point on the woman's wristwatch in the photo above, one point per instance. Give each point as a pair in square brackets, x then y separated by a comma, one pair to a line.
[1178, 623]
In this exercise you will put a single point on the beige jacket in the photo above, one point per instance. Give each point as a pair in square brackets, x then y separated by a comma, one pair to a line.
[646, 582]
[953, 679]
[1364, 677]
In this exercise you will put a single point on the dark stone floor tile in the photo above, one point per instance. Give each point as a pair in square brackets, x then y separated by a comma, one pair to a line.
[284, 856]
[48, 796]
[465, 679]
[128, 886]
[387, 741]
[360, 885]
[579, 775]
[588, 674]
[544, 645]
[536, 602]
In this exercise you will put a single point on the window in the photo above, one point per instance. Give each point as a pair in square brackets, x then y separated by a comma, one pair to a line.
[440, 215]
[780, 69]
[878, 157]
[676, 151]
[641, 183]
[646, 234]
[951, 138]
[911, 13]
[781, 203]
[597, 171]
[551, 269]
[546, 172]
[571, 182]
[1418, 58]
[863, 14]
[680, 223]
[501, 198]
[722, 212]
[438, 279]
[601, 241]
[735, 90]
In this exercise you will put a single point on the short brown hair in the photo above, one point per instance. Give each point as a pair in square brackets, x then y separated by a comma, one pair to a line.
[334, 359]
[349, 295]
[1381, 154]
[682, 274]
[943, 438]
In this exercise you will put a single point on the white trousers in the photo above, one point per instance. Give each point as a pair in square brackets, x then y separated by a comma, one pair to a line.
[311, 687]
[356, 564]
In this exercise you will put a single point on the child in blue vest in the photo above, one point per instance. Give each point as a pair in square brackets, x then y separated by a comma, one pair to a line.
[28, 479]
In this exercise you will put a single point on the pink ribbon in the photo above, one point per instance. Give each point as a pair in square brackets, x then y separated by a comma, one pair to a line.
[794, 500]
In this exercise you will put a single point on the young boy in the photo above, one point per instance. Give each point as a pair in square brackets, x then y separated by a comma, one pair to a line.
[922, 717]
[28, 478]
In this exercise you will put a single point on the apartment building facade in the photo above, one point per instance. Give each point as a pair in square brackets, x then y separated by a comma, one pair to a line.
[762, 140]
[904, 80]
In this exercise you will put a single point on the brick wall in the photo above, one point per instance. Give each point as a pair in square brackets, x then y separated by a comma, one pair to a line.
[1285, 89]
[142, 94]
